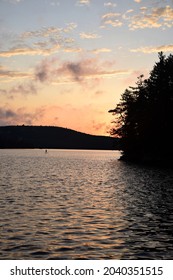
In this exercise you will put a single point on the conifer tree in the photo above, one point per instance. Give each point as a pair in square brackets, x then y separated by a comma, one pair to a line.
[144, 115]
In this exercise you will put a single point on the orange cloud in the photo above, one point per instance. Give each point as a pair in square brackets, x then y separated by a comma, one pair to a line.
[113, 19]
[152, 18]
[84, 35]
[101, 50]
[83, 2]
[29, 51]
[164, 48]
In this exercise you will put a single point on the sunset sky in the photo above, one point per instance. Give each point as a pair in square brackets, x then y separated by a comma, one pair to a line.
[67, 62]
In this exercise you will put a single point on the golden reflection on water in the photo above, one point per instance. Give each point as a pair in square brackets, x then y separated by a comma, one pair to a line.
[82, 204]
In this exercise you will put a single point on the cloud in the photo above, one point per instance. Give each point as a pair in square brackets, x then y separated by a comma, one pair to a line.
[72, 50]
[84, 35]
[83, 2]
[113, 19]
[57, 115]
[101, 50]
[52, 35]
[9, 116]
[152, 18]
[114, 23]
[70, 27]
[42, 72]
[26, 88]
[138, 1]
[47, 70]
[110, 15]
[29, 51]
[49, 32]
[49, 40]
[6, 113]
[6, 73]
[164, 48]
[126, 15]
[110, 4]
[148, 17]
[77, 71]
[43, 32]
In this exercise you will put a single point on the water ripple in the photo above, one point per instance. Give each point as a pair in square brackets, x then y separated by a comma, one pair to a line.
[83, 205]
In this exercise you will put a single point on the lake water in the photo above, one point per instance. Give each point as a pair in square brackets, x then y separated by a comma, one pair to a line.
[70, 204]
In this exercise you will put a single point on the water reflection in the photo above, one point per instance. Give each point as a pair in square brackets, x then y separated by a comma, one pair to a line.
[83, 205]
[147, 200]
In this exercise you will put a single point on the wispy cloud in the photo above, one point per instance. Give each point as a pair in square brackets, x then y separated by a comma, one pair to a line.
[152, 18]
[72, 50]
[77, 71]
[126, 15]
[110, 15]
[114, 23]
[6, 73]
[148, 17]
[101, 50]
[9, 116]
[51, 34]
[110, 4]
[164, 48]
[49, 41]
[69, 27]
[113, 19]
[54, 71]
[6, 115]
[43, 32]
[83, 2]
[84, 35]
[29, 51]
[26, 88]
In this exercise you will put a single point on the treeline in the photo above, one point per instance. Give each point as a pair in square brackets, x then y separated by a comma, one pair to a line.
[53, 137]
[144, 116]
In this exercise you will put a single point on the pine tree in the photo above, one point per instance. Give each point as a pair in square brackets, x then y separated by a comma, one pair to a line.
[144, 115]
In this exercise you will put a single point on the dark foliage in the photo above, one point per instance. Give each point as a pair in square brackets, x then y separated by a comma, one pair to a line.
[144, 116]
[52, 137]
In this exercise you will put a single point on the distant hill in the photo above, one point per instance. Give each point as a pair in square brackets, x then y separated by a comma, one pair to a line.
[53, 137]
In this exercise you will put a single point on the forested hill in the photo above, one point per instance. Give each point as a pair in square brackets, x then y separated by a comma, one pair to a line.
[52, 137]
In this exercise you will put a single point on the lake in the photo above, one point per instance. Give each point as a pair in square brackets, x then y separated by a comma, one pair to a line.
[70, 204]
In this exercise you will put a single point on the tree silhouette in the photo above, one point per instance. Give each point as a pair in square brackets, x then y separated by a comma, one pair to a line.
[144, 115]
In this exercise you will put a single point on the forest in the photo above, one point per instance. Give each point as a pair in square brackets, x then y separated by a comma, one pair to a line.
[143, 119]
[54, 138]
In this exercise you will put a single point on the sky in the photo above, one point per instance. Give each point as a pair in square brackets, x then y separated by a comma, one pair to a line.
[66, 62]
